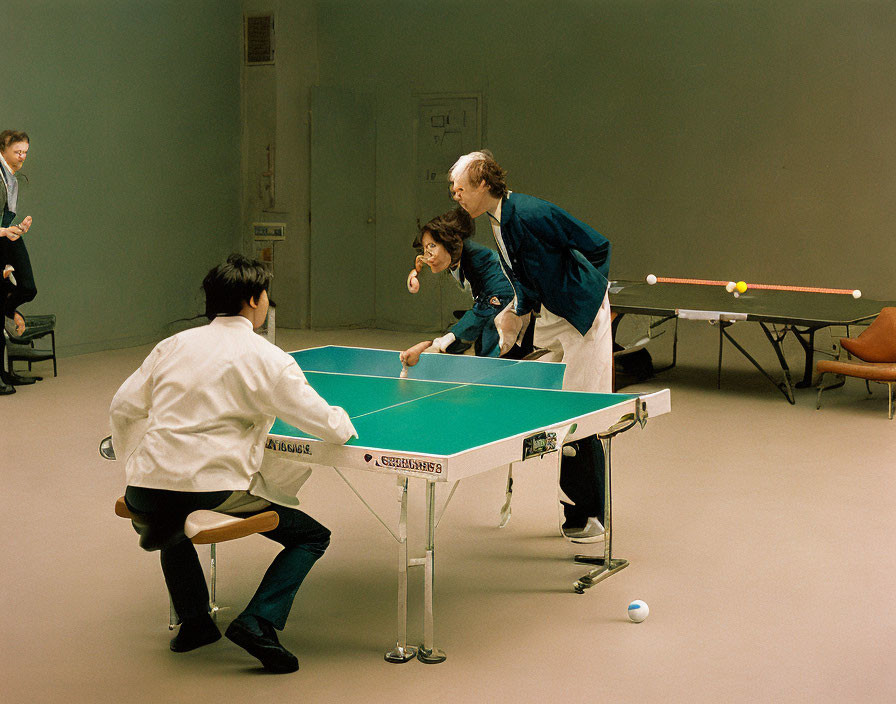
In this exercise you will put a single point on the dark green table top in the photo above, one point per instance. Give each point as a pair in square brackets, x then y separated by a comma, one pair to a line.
[782, 307]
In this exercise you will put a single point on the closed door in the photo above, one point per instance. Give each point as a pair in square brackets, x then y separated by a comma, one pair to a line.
[343, 209]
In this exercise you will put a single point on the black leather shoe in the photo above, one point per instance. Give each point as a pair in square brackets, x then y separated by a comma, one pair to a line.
[264, 646]
[6, 389]
[16, 380]
[194, 633]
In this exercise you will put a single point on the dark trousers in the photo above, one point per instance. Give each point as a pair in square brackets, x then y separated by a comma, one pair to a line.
[16, 254]
[582, 480]
[303, 539]
[5, 288]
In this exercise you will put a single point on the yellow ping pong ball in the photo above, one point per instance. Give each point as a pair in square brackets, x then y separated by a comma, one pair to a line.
[857, 294]
[741, 286]
[651, 279]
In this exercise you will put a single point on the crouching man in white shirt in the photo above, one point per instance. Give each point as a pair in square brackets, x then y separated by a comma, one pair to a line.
[191, 425]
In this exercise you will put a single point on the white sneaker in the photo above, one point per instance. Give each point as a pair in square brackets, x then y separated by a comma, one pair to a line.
[592, 532]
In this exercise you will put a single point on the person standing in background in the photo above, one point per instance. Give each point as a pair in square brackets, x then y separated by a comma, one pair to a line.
[15, 264]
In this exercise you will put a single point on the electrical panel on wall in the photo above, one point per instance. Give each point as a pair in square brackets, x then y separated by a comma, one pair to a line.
[444, 127]
[259, 39]
[267, 231]
[447, 126]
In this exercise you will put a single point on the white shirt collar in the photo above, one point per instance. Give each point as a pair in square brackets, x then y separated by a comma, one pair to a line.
[232, 320]
[7, 172]
[497, 215]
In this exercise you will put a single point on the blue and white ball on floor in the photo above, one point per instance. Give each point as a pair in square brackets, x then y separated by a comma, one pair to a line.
[638, 611]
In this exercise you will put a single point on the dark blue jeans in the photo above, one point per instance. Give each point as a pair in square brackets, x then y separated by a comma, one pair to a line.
[303, 539]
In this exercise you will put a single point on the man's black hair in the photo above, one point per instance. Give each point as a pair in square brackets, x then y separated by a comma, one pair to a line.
[229, 286]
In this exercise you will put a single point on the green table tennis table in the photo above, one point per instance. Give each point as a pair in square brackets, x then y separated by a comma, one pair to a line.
[454, 416]
[778, 313]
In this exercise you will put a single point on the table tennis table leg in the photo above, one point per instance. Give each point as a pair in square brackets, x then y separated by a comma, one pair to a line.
[428, 653]
[402, 652]
[721, 346]
[508, 497]
[806, 338]
[607, 565]
[786, 386]
[675, 344]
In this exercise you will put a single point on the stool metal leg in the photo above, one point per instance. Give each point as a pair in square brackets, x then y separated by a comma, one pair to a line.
[173, 618]
[213, 607]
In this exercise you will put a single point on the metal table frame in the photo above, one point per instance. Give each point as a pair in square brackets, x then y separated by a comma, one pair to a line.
[606, 564]
[775, 331]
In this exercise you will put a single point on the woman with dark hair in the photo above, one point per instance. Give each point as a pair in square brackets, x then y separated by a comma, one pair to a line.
[444, 244]
[15, 264]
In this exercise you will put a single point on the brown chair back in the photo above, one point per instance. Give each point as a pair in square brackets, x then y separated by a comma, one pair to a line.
[877, 343]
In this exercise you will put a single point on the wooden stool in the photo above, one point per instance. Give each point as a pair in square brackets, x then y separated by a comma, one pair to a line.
[202, 528]
[210, 528]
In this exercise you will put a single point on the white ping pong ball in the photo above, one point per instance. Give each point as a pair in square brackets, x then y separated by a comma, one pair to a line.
[638, 611]
[651, 279]
[736, 294]
[857, 294]
[730, 286]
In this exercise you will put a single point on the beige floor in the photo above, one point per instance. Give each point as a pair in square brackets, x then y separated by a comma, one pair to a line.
[761, 535]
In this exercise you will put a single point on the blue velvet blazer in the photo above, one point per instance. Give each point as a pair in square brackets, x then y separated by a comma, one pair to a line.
[556, 260]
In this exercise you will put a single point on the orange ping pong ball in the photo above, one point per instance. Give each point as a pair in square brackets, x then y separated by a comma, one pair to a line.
[741, 287]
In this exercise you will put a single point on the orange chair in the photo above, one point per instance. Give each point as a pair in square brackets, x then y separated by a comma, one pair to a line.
[875, 353]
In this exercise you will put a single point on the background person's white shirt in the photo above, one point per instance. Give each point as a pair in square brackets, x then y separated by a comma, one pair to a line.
[196, 414]
[11, 184]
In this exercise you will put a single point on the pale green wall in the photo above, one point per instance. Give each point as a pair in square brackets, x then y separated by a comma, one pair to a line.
[747, 139]
[133, 111]
[744, 139]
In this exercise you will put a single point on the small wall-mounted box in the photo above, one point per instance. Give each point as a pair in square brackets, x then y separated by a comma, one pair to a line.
[268, 231]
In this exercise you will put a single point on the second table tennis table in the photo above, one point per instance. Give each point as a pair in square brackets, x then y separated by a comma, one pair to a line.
[778, 313]
[454, 416]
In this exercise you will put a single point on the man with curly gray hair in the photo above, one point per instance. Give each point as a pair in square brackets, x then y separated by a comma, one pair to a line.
[559, 268]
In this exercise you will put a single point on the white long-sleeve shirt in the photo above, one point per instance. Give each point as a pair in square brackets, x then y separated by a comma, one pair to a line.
[195, 415]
